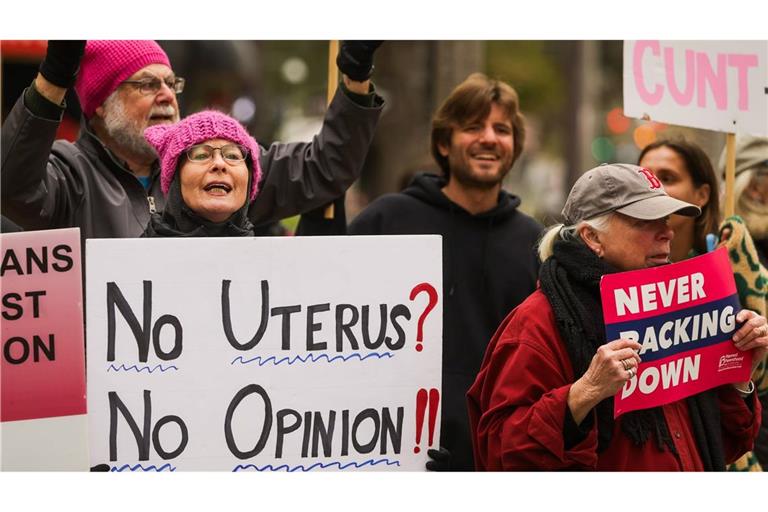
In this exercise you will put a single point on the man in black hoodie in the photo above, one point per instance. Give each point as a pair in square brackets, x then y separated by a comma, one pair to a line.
[489, 262]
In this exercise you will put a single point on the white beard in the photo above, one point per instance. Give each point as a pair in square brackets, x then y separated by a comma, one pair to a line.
[129, 133]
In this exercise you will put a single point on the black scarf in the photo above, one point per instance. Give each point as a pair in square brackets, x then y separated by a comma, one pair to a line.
[177, 220]
[571, 281]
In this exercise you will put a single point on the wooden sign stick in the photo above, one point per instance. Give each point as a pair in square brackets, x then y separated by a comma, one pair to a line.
[730, 173]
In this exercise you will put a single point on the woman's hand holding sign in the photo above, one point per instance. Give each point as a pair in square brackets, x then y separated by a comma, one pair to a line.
[753, 335]
[612, 365]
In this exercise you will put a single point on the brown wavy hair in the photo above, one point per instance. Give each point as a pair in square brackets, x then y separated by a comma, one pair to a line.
[471, 101]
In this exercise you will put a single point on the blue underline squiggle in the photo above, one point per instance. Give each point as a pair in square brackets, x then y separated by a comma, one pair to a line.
[139, 467]
[320, 465]
[139, 369]
[309, 358]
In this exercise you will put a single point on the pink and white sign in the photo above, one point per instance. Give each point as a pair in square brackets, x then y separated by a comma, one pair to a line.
[715, 85]
[683, 315]
[43, 367]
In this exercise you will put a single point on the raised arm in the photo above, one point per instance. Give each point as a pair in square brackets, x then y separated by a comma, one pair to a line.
[33, 181]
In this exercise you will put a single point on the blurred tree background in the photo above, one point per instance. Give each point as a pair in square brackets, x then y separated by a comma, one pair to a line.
[570, 93]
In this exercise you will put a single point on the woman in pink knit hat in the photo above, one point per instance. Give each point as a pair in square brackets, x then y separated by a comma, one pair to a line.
[209, 175]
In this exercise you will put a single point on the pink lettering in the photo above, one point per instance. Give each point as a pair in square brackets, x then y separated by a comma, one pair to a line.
[637, 67]
[685, 97]
[718, 81]
[742, 63]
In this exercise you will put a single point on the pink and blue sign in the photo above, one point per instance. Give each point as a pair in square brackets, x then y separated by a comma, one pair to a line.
[684, 316]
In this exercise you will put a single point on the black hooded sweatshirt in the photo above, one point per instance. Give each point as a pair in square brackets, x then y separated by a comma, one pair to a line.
[489, 267]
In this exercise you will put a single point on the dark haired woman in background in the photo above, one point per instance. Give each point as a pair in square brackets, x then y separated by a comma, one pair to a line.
[687, 174]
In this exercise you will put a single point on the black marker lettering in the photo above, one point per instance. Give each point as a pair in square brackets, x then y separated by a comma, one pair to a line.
[286, 312]
[362, 416]
[142, 436]
[397, 312]
[140, 331]
[382, 327]
[266, 427]
[322, 433]
[226, 317]
[313, 326]
[344, 329]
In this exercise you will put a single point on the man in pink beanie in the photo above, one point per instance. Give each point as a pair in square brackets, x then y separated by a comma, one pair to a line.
[107, 183]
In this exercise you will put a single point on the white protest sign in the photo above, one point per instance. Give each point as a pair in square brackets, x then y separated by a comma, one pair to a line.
[264, 354]
[714, 85]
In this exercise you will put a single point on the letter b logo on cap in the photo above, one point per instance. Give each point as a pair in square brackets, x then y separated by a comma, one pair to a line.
[652, 179]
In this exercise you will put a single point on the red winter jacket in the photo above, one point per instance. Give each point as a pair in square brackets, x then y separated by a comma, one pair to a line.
[517, 409]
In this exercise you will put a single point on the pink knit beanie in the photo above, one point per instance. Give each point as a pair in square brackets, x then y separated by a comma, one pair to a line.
[106, 64]
[171, 140]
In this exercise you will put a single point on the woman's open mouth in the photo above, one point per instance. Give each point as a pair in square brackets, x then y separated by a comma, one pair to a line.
[218, 188]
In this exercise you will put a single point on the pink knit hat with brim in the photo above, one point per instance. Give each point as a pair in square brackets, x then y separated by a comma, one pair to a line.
[171, 140]
[106, 64]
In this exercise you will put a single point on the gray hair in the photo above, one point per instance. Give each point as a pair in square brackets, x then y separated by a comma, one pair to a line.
[563, 232]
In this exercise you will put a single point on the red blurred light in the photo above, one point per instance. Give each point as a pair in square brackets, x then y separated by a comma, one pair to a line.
[617, 122]
[23, 50]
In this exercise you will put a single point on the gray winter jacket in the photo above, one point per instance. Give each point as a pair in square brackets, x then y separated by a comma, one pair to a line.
[47, 184]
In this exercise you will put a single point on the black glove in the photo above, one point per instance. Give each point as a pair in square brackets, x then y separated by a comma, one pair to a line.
[62, 61]
[441, 460]
[355, 59]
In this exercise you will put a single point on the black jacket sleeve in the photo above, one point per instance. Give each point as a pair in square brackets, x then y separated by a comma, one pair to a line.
[299, 177]
[37, 188]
